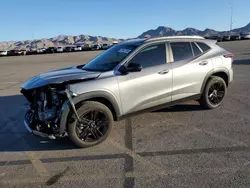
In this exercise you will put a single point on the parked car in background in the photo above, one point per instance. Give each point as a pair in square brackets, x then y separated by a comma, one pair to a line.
[226, 38]
[78, 48]
[60, 49]
[51, 50]
[96, 47]
[69, 49]
[214, 37]
[4, 53]
[235, 37]
[41, 50]
[31, 52]
[13, 52]
[105, 46]
[86, 47]
[114, 43]
[245, 36]
[219, 38]
[22, 52]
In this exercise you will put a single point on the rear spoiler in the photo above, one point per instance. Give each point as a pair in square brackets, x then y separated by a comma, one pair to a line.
[214, 41]
[211, 42]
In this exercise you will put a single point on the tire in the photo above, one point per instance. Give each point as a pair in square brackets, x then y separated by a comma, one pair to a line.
[205, 101]
[88, 107]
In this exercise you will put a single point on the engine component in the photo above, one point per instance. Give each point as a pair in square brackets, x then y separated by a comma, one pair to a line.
[47, 115]
[82, 120]
[44, 112]
[72, 104]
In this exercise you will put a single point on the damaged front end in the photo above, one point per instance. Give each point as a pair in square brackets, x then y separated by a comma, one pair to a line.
[45, 110]
[48, 93]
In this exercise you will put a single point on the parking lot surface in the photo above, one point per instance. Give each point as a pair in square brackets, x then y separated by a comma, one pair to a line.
[181, 146]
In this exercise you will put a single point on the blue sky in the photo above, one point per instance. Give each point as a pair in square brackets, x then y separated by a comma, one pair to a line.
[34, 19]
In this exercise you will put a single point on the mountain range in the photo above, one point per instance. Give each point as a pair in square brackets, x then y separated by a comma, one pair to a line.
[167, 31]
[63, 40]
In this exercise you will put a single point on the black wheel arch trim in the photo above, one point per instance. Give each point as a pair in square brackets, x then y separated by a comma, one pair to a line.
[210, 73]
[66, 108]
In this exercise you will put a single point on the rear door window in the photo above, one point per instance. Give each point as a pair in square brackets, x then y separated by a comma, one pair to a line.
[181, 50]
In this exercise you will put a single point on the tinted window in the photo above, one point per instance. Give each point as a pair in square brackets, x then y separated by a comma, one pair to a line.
[196, 49]
[181, 50]
[203, 46]
[151, 56]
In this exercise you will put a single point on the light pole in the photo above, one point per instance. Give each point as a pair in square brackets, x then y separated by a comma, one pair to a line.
[231, 21]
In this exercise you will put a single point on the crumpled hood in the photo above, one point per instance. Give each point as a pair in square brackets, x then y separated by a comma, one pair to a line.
[58, 76]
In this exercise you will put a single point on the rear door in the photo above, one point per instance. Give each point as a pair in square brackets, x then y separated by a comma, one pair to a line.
[189, 68]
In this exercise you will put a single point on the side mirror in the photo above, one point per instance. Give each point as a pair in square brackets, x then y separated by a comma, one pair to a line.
[132, 67]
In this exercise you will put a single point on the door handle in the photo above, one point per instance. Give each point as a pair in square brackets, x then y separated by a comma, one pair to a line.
[163, 72]
[203, 63]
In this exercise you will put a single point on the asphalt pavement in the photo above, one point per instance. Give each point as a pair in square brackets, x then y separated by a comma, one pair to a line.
[181, 146]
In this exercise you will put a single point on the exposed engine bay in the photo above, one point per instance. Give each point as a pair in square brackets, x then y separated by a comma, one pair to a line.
[44, 111]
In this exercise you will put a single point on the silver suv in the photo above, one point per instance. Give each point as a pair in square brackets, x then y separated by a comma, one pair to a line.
[83, 101]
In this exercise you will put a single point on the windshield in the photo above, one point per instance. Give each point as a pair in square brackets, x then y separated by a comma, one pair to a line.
[109, 59]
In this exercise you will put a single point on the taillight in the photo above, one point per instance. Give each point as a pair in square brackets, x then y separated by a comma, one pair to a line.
[229, 56]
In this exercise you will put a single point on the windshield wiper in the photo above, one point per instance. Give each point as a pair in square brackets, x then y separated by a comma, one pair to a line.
[94, 70]
[107, 68]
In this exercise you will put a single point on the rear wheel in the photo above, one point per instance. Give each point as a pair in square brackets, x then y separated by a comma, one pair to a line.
[214, 93]
[96, 121]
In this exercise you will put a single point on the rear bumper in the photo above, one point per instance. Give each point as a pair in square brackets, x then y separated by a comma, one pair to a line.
[231, 75]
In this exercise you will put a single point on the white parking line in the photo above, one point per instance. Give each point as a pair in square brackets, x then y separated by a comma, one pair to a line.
[38, 165]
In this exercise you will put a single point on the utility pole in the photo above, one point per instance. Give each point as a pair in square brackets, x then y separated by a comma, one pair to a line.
[231, 21]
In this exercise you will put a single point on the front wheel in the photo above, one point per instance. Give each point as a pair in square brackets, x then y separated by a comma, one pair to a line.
[96, 121]
[214, 93]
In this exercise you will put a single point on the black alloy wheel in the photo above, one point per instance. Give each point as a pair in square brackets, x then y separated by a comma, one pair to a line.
[96, 121]
[94, 124]
[216, 93]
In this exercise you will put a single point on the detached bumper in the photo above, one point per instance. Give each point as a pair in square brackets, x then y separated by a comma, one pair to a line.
[37, 133]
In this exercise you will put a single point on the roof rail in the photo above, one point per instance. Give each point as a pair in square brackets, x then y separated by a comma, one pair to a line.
[175, 37]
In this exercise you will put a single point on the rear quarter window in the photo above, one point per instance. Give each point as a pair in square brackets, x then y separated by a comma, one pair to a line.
[203, 46]
[196, 50]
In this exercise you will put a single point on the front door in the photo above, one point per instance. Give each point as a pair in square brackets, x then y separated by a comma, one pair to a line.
[151, 86]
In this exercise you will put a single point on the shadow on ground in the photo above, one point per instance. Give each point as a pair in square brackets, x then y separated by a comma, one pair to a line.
[242, 62]
[248, 53]
[13, 134]
[15, 137]
[182, 108]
